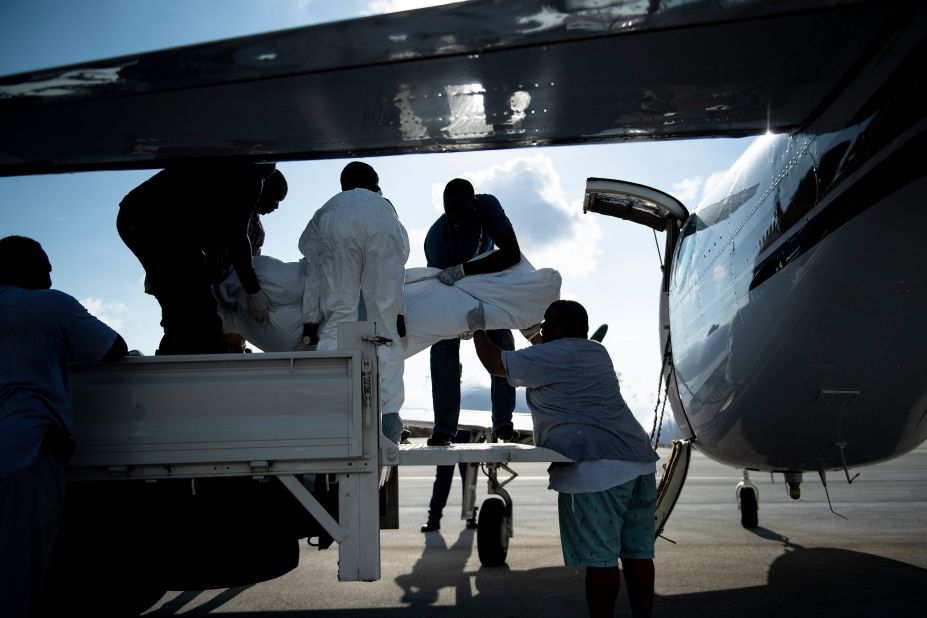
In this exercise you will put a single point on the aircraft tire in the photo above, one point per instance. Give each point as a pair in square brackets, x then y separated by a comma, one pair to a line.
[748, 508]
[492, 540]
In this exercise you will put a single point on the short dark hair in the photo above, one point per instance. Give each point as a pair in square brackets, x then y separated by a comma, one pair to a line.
[21, 260]
[459, 188]
[275, 187]
[572, 316]
[359, 175]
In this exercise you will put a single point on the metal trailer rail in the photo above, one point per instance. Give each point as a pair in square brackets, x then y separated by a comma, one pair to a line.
[495, 521]
[282, 415]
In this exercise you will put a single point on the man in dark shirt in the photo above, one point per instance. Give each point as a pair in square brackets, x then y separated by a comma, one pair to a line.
[41, 331]
[188, 225]
[470, 226]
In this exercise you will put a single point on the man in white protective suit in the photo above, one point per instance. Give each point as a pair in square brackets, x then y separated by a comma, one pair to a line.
[356, 249]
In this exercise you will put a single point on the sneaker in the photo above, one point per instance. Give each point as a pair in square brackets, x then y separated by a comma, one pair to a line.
[404, 437]
[506, 433]
[431, 526]
[439, 438]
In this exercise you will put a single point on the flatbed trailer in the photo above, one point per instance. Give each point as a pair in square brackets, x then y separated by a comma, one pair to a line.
[224, 462]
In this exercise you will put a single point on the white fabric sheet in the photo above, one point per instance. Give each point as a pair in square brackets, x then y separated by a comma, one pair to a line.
[514, 298]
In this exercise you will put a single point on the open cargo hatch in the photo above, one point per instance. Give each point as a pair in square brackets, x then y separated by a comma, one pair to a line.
[639, 204]
[633, 202]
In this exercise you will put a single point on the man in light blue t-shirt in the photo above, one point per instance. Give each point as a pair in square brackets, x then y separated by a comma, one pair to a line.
[41, 330]
[607, 497]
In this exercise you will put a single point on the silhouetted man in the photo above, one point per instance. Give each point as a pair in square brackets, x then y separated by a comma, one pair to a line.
[470, 226]
[41, 331]
[188, 225]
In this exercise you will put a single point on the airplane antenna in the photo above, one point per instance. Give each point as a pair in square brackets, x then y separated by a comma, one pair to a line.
[822, 474]
[841, 446]
[657, 243]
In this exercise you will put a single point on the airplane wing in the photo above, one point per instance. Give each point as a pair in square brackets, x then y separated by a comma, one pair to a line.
[421, 420]
[474, 75]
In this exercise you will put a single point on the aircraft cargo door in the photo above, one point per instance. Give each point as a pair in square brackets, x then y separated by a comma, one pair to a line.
[662, 213]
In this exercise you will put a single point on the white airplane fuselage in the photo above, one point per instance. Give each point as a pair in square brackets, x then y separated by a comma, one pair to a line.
[797, 301]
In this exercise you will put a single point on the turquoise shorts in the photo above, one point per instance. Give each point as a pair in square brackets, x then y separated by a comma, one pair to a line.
[598, 527]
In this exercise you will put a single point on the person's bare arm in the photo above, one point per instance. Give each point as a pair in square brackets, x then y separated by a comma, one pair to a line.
[508, 255]
[231, 210]
[489, 354]
[239, 248]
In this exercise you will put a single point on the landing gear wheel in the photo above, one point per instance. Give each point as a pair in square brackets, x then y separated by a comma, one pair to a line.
[748, 508]
[492, 538]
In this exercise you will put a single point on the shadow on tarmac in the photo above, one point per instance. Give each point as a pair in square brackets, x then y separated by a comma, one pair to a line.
[803, 582]
[496, 590]
[813, 582]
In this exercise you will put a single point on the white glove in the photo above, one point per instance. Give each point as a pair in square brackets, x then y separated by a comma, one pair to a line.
[259, 307]
[450, 276]
[476, 319]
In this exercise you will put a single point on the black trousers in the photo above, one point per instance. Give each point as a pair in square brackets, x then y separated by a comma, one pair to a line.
[445, 384]
[444, 476]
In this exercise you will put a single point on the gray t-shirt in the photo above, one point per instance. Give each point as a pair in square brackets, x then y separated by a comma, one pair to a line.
[575, 401]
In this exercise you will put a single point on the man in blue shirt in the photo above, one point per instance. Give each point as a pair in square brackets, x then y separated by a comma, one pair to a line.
[607, 496]
[41, 330]
[470, 226]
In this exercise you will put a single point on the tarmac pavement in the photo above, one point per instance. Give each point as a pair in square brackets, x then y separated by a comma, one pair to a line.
[802, 560]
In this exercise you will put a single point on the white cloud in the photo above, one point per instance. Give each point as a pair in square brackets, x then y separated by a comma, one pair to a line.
[688, 190]
[552, 230]
[376, 7]
[416, 245]
[108, 313]
[691, 191]
[712, 182]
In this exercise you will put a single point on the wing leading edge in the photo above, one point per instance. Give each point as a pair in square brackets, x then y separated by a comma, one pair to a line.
[477, 75]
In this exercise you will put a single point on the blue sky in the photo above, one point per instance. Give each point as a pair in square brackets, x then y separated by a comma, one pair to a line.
[612, 267]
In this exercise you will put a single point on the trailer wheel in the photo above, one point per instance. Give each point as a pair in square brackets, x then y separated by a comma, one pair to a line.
[748, 508]
[492, 539]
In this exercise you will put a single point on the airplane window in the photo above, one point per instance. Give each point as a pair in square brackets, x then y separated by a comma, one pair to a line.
[685, 251]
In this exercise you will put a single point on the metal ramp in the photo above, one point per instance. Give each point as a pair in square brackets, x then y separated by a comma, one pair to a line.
[479, 452]
[495, 521]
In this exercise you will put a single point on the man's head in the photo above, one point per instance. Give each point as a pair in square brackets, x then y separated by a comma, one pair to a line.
[272, 193]
[358, 175]
[459, 203]
[565, 318]
[24, 264]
